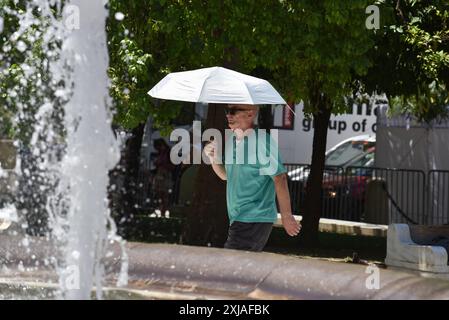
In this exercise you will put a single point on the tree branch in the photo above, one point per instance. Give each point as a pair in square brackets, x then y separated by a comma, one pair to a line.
[399, 12]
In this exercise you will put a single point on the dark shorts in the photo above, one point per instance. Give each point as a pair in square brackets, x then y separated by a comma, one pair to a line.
[248, 236]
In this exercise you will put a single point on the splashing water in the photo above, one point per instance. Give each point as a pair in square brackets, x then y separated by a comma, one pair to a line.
[91, 147]
[73, 160]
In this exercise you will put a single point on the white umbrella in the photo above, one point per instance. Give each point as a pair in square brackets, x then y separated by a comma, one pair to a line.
[216, 85]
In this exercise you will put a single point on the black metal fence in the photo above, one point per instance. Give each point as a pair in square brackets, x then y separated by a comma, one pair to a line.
[376, 195]
[439, 196]
[362, 194]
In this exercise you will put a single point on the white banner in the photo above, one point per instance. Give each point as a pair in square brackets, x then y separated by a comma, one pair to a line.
[296, 145]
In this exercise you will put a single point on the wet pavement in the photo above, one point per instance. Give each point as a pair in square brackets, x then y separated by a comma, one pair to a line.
[163, 271]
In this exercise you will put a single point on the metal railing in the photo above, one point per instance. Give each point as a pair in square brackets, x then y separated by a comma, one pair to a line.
[376, 195]
[361, 194]
[438, 202]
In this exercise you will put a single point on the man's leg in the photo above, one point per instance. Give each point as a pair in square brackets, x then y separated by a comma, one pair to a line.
[248, 236]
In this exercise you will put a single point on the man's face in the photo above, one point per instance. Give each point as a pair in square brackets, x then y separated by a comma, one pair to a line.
[240, 116]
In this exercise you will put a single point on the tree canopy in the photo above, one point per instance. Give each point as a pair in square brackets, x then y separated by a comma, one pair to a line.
[320, 52]
[411, 57]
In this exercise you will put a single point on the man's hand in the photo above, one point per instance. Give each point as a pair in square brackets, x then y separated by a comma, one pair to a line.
[209, 150]
[291, 226]
[288, 221]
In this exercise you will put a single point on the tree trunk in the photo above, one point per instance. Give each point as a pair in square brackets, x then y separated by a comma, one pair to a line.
[125, 179]
[313, 203]
[207, 220]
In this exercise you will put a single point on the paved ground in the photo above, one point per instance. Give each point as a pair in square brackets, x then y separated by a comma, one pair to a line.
[218, 273]
[347, 227]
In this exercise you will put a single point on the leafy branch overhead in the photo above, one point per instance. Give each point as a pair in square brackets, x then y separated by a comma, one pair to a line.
[411, 58]
[295, 45]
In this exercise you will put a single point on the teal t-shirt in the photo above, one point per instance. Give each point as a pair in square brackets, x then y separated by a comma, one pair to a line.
[250, 167]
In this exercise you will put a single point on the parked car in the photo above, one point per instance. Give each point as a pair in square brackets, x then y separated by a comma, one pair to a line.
[347, 171]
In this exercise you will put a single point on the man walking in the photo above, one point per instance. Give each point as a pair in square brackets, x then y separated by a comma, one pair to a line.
[251, 182]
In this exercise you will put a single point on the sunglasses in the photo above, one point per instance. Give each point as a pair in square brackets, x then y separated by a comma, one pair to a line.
[233, 111]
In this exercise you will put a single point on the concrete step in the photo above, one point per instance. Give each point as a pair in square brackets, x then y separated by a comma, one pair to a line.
[346, 227]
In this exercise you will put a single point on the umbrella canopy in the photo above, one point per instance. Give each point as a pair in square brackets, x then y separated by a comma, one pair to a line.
[216, 85]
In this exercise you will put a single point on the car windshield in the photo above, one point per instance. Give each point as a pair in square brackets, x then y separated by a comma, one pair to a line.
[366, 160]
[348, 152]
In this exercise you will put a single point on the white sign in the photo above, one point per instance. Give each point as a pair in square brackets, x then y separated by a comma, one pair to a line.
[296, 145]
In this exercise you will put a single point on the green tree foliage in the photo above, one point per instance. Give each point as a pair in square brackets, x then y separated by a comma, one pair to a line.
[30, 109]
[411, 57]
[328, 47]
[144, 47]
[140, 44]
[25, 79]
[10, 72]
[310, 50]
[328, 51]
[316, 51]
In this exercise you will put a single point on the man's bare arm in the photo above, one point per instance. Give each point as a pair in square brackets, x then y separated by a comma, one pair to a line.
[219, 169]
[291, 226]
